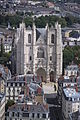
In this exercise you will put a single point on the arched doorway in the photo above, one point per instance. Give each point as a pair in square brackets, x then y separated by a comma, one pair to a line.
[52, 76]
[41, 73]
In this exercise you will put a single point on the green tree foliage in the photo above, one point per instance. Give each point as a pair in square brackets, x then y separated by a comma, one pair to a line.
[74, 34]
[71, 54]
[9, 104]
[71, 20]
[41, 21]
[4, 57]
[28, 21]
[15, 20]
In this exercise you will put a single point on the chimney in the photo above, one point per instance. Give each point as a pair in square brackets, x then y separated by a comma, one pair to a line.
[76, 88]
[28, 107]
[77, 79]
[27, 91]
[0, 74]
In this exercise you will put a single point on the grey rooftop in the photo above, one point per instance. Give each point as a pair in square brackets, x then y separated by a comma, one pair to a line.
[71, 92]
[28, 108]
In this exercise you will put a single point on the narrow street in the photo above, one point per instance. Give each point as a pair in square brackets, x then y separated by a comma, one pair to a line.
[55, 109]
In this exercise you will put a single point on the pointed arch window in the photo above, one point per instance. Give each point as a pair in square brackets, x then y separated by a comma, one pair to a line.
[40, 53]
[52, 38]
[29, 38]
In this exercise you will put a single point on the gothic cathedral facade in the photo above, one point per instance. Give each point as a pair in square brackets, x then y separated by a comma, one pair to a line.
[39, 51]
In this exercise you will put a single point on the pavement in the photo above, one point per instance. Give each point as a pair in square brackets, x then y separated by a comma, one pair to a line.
[49, 89]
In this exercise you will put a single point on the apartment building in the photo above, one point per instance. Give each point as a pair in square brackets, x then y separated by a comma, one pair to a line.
[70, 101]
[2, 85]
[71, 70]
[23, 111]
[65, 82]
[19, 84]
[2, 107]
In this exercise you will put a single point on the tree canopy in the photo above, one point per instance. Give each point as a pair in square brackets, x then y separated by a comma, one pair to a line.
[71, 54]
[15, 20]
[9, 104]
[4, 57]
[74, 34]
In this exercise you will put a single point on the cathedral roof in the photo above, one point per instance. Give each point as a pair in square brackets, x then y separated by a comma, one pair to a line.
[51, 28]
[41, 33]
[28, 28]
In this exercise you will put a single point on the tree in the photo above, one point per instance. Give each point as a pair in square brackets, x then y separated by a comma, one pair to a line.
[68, 56]
[28, 21]
[9, 104]
[74, 34]
[71, 54]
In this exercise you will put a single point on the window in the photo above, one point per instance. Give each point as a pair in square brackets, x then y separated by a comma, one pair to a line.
[44, 115]
[9, 89]
[38, 115]
[25, 114]
[18, 114]
[52, 38]
[50, 58]
[40, 53]
[68, 43]
[30, 58]
[20, 84]
[68, 111]
[29, 38]
[15, 84]
[32, 115]
[11, 84]
[13, 114]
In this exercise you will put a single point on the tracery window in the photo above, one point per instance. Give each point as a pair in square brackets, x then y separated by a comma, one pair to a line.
[40, 53]
[52, 38]
[29, 38]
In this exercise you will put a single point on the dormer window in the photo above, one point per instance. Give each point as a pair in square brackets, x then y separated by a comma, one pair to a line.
[29, 38]
[52, 38]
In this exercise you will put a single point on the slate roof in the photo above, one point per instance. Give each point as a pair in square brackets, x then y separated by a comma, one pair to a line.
[41, 33]
[28, 108]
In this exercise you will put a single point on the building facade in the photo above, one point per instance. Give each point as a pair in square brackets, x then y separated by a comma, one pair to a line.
[13, 89]
[23, 111]
[2, 85]
[65, 82]
[71, 70]
[21, 84]
[39, 51]
[2, 107]
[70, 101]
[6, 39]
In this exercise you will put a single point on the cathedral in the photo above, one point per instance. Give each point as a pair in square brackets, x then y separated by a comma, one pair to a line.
[39, 51]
